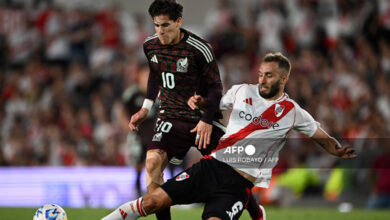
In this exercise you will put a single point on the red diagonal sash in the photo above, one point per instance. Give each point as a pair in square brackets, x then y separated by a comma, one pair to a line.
[268, 114]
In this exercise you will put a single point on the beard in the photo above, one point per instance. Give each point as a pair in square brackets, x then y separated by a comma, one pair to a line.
[275, 88]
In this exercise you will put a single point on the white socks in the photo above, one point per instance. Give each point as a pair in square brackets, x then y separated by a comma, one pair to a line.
[128, 211]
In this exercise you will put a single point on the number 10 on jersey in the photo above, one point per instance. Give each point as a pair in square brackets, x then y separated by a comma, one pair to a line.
[168, 80]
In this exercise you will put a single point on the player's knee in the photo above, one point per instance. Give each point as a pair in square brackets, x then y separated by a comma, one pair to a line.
[214, 218]
[152, 204]
[152, 164]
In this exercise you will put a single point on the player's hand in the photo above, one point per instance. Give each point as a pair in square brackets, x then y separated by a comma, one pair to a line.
[138, 118]
[203, 134]
[345, 152]
[194, 101]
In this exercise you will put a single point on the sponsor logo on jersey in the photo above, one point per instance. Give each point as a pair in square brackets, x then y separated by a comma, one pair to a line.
[154, 59]
[248, 101]
[236, 208]
[182, 176]
[279, 110]
[182, 65]
[258, 120]
[157, 136]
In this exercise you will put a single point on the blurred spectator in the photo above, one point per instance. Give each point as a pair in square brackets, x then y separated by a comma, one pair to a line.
[80, 33]
[54, 27]
[380, 172]
[219, 18]
[270, 24]
[23, 42]
[109, 27]
[301, 21]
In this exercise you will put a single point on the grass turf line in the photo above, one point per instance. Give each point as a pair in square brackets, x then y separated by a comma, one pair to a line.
[195, 214]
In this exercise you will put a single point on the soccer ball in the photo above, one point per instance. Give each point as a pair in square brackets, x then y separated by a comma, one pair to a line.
[50, 212]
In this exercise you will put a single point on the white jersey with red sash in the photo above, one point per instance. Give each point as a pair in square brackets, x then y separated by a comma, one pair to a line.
[257, 130]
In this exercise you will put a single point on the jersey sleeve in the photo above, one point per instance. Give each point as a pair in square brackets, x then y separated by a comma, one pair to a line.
[153, 87]
[209, 65]
[304, 122]
[211, 77]
[227, 100]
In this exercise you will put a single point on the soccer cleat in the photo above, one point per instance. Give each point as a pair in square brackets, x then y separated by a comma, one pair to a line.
[263, 215]
[175, 161]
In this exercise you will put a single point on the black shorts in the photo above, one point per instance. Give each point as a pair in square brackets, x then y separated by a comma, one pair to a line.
[224, 191]
[174, 137]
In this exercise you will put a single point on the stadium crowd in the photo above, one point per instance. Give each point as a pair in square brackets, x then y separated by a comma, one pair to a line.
[63, 72]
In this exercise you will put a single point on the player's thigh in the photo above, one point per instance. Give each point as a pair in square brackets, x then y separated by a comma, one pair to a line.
[173, 136]
[189, 186]
[224, 207]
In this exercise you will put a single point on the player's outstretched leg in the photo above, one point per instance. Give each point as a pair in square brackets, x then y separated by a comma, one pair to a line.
[254, 209]
[156, 161]
[264, 215]
[129, 210]
[143, 206]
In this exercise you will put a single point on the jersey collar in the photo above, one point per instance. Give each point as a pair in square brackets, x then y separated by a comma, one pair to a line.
[186, 34]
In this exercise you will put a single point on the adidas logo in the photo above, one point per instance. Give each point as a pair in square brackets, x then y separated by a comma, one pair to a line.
[123, 213]
[154, 59]
[248, 101]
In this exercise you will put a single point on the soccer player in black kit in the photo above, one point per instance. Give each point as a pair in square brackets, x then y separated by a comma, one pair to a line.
[181, 65]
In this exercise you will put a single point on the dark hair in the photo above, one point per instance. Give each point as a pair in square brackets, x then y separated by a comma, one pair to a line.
[282, 61]
[166, 7]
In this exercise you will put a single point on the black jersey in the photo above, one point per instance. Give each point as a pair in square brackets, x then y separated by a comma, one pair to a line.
[179, 71]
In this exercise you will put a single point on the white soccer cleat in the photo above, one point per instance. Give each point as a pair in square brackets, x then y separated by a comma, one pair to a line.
[175, 161]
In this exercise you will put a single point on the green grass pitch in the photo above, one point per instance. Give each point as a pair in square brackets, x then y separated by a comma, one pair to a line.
[195, 213]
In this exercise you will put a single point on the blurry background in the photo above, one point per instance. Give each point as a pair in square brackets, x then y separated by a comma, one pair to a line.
[69, 67]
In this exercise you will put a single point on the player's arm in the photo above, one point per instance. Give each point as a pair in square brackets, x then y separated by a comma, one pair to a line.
[210, 73]
[197, 101]
[142, 114]
[211, 102]
[331, 145]
[226, 102]
[151, 95]
[305, 123]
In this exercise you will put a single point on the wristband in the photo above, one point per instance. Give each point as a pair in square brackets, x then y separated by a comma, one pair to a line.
[147, 104]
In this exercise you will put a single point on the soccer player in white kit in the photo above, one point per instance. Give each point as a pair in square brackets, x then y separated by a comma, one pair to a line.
[261, 117]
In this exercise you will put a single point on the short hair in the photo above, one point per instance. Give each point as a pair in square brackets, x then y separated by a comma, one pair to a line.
[166, 7]
[282, 61]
